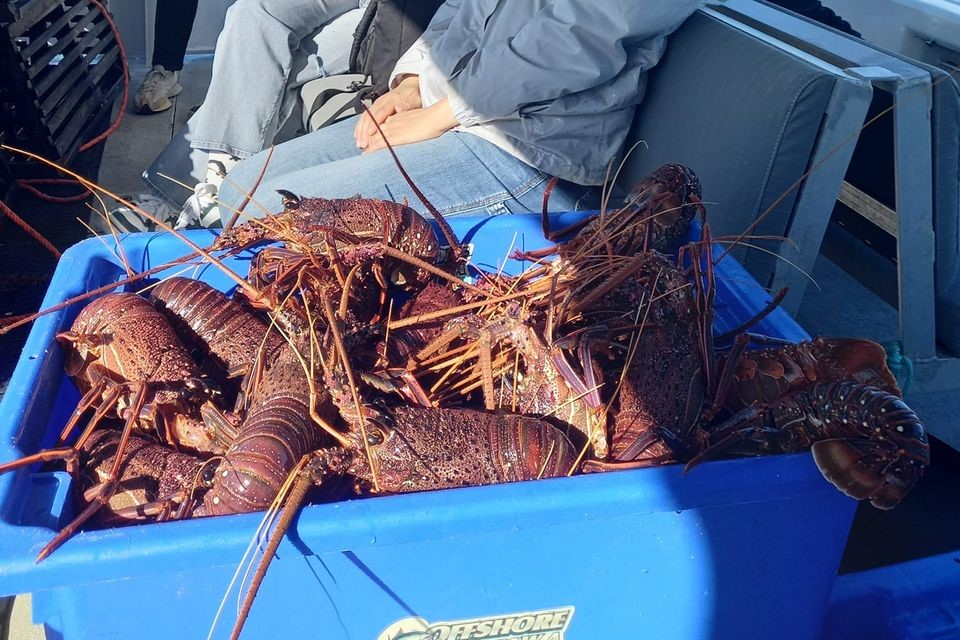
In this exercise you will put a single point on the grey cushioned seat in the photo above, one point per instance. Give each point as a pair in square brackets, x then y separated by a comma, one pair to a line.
[750, 115]
[944, 112]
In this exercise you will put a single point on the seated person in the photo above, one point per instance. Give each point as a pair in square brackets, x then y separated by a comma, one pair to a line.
[266, 51]
[485, 107]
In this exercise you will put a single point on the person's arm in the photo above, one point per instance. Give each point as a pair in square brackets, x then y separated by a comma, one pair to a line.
[570, 46]
[413, 126]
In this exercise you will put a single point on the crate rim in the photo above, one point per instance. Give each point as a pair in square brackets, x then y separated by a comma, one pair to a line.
[400, 519]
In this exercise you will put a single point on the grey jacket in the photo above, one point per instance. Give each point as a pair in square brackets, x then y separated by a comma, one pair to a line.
[552, 82]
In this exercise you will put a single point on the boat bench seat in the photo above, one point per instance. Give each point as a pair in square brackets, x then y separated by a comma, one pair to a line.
[751, 115]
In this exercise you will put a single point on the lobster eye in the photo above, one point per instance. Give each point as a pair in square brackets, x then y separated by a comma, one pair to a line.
[375, 436]
[208, 473]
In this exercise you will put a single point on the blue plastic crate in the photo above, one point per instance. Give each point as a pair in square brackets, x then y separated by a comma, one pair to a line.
[919, 600]
[746, 548]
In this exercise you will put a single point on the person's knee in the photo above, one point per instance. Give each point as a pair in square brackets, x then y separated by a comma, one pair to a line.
[230, 194]
[252, 11]
[262, 11]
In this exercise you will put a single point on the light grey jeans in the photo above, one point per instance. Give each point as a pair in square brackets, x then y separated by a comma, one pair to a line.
[266, 51]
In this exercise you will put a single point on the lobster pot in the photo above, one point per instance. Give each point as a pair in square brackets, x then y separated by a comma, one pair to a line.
[60, 72]
[734, 549]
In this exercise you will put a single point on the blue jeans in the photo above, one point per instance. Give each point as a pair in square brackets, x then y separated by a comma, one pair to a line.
[459, 173]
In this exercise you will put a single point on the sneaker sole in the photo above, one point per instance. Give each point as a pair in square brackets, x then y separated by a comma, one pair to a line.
[148, 108]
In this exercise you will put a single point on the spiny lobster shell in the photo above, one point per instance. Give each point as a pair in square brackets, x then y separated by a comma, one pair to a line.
[227, 334]
[662, 205]
[275, 434]
[664, 384]
[767, 374]
[130, 341]
[866, 441]
[422, 449]
[149, 472]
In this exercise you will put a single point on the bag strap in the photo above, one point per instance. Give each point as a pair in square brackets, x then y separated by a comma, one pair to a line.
[360, 34]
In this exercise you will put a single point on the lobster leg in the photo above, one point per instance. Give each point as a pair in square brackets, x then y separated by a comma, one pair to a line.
[725, 379]
[106, 404]
[68, 454]
[705, 291]
[730, 433]
[107, 488]
[218, 425]
[155, 511]
[401, 382]
[379, 249]
[486, 370]
[597, 466]
[85, 403]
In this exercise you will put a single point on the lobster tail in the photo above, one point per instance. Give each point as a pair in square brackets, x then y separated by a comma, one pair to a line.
[857, 360]
[863, 470]
[845, 465]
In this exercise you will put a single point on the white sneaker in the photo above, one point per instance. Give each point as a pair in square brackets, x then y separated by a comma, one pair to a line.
[200, 210]
[158, 86]
[126, 220]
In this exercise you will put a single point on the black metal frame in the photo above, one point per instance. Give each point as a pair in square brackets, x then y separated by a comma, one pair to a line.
[60, 68]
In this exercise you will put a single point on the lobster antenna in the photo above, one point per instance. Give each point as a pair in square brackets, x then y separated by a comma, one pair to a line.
[332, 324]
[95, 292]
[544, 211]
[248, 196]
[243, 284]
[264, 525]
[608, 188]
[295, 499]
[122, 253]
[634, 343]
[445, 228]
[763, 313]
[796, 183]
[237, 211]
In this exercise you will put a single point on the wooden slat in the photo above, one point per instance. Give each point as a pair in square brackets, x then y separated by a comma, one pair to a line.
[869, 207]
[40, 39]
[43, 74]
[26, 15]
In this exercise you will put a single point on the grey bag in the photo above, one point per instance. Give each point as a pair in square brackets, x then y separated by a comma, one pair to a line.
[333, 98]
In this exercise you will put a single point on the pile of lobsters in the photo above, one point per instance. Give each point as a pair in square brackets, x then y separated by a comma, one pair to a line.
[358, 356]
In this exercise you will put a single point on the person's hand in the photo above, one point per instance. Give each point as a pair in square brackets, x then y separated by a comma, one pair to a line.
[404, 97]
[413, 126]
